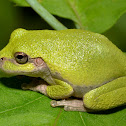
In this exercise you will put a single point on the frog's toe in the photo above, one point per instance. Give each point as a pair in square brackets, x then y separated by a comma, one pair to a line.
[53, 103]
[30, 86]
[71, 108]
[70, 105]
[25, 86]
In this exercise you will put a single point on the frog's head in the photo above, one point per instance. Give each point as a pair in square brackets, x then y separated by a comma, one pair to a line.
[20, 57]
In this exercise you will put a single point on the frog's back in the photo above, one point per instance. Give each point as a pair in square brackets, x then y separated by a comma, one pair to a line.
[82, 57]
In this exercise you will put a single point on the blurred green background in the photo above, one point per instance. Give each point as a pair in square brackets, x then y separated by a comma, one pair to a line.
[12, 17]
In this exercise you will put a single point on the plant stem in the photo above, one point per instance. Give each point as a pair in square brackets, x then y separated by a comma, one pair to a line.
[50, 19]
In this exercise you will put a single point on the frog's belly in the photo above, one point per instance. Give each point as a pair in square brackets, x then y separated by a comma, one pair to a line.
[79, 91]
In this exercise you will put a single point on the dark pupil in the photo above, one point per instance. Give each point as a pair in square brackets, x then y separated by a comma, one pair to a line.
[20, 56]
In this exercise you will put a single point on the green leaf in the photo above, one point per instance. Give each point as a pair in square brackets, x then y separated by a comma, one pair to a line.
[93, 15]
[50, 19]
[27, 108]
[20, 3]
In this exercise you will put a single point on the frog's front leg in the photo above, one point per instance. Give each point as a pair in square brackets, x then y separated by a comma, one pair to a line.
[36, 84]
[60, 90]
[108, 96]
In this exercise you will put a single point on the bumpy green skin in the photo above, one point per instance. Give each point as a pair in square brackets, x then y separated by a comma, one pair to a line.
[81, 57]
[108, 96]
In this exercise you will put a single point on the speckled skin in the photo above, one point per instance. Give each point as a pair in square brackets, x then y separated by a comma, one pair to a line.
[84, 60]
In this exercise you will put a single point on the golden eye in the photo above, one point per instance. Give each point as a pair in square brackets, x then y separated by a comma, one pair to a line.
[21, 57]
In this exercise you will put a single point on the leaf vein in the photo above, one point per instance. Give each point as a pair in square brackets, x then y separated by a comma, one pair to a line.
[56, 120]
[21, 105]
[82, 119]
[76, 14]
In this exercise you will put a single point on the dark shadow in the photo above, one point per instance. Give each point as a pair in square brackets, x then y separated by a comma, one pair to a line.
[15, 82]
[109, 111]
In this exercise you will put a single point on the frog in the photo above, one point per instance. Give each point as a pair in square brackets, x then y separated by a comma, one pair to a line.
[78, 69]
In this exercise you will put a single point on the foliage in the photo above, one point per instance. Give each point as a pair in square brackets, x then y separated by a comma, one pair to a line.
[27, 108]
[93, 15]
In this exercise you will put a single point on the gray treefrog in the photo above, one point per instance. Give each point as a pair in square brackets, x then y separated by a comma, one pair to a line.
[72, 62]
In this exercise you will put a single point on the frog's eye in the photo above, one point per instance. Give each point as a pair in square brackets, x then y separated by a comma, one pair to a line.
[21, 57]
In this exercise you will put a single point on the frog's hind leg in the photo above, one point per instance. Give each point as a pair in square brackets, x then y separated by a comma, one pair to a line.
[108, 96]
[70, 105]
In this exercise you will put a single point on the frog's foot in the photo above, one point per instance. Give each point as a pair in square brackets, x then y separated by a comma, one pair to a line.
[70, 105]
[36, 85]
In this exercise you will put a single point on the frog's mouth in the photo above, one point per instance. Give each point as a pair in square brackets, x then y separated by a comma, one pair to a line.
[23, 64]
